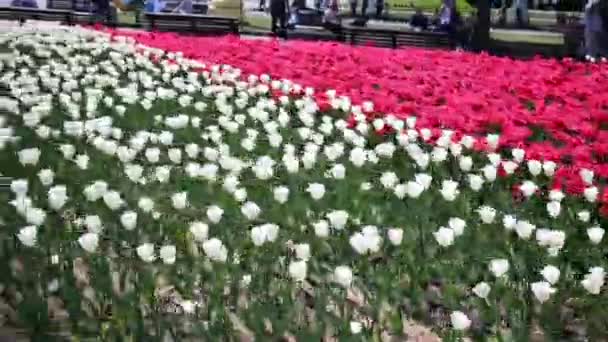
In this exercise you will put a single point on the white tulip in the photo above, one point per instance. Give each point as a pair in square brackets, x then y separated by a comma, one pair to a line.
[128, 219]
[146, 252]
[424, 179]
[113, 200]
[486, 214]
[46, 177]
[302, 251]
[67, 150]
[356, 327]
[152, 154]
[499, 267]
[93, 224]
[358, 156]
[489, 172]
[457, 225]
[29, 156]
[27, 235]
[542, 290]
[535, 167]
[57, 197]
[82, 161]
[594, 280]
[192, 150]
[281, 194]
[338, 218]
[263, 168]
[388, 179]
[19, 187]
[95, 191]
[449, 190]
[35, 216]
[553, 239]
[587, 176]
[549, 168]
[366, 241]
[482, 290]
[460, 321]
[518, 154]
[591, 194]
[583, 216]
[146, 204]
[179, 200]
[465, 163]
[337, 171]
[524, 229]
[509, 222]
[134, 172]
[168, 254]
[316, 190]
[556, 195]
[528, 188]
[215, 213]
[250, 210]
[551, 274]
[199, 230]
[444, 236]
[553, 208]
[414, 189]
[297, 270]
[494, 159]
[596, 234]
[162, 173]
[89, 242]
[509, 166]
[343, 275]
[475, 182]
[395, 236]
[321, 229]
[264, 233]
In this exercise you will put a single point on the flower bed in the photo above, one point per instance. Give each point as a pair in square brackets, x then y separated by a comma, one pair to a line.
[555, 110]
[155, 197]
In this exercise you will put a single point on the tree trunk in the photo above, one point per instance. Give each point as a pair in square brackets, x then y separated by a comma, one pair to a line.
[482, 27]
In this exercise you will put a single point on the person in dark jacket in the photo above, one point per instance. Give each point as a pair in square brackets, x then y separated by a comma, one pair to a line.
[278, 13]
[420, 20]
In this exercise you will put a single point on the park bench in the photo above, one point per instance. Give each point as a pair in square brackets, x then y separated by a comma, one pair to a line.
[198, 6]
[191, 23]
[394, 38]
[60, 4]
[23, 14]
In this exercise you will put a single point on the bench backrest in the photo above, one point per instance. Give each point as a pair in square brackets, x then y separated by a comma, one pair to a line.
[23, 13]
[191, 23]
[394, 39]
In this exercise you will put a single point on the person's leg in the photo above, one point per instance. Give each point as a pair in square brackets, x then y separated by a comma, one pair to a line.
[353, 8]
[379, 8]
[273, 23]
[364, 7]
[591, 43]
[262, 4]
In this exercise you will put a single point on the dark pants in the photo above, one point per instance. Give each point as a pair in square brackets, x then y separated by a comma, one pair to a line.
[353, 8]
[364, 5]
[452, 34]
[280, 19]
[102, 9]
[262, 4]
[379, 8]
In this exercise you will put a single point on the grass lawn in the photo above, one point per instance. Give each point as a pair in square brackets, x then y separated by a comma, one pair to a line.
[425, 5]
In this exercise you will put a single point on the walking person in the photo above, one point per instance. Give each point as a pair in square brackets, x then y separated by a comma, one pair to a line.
[353, 7]
[595, 30]
[278, 13]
